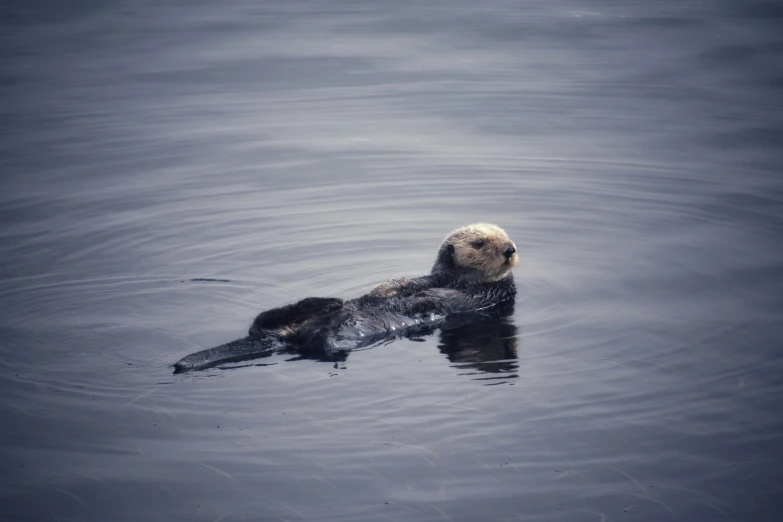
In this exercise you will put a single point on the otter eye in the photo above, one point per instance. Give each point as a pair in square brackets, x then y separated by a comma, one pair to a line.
[478, 244]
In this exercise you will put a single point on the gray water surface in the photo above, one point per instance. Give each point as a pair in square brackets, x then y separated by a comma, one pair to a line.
[289, 149]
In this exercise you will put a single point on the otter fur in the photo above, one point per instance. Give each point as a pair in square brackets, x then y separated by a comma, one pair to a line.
[472, 272]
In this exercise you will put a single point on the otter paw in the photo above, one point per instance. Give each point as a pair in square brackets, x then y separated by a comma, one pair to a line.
[319, 305]
[387, 289]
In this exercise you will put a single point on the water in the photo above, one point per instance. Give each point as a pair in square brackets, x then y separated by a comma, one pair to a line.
[632, 151]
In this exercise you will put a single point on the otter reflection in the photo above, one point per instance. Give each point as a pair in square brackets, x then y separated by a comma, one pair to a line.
[485, 344]
[481, 342]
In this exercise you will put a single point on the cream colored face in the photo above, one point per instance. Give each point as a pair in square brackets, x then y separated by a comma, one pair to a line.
[485, 248]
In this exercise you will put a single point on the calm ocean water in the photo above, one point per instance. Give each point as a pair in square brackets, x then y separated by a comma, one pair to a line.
[170, 170]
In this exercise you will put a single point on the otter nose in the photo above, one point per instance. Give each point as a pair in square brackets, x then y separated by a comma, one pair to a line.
[509, 251]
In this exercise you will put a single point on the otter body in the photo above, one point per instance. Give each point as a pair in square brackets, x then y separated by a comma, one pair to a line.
[349, 324]
[472, 272]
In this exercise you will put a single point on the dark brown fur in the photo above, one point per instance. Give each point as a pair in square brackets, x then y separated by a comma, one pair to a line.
[472, 271]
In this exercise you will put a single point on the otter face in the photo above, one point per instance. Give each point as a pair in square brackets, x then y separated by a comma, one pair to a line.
[485, 248]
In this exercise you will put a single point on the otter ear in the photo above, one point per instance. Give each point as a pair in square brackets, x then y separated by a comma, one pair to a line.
[450, 248]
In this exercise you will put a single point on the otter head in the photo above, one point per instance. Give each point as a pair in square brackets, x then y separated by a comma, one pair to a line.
[480, 252]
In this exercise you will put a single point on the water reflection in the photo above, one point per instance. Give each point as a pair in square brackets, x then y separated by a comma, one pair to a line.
[484, 344]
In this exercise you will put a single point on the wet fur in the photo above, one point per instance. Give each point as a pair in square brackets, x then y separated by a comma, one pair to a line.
[472, 271]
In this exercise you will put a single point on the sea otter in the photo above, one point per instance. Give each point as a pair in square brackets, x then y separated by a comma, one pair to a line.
[472, 272]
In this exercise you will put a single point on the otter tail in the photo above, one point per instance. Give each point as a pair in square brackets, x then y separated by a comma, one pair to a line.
[239, 350]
